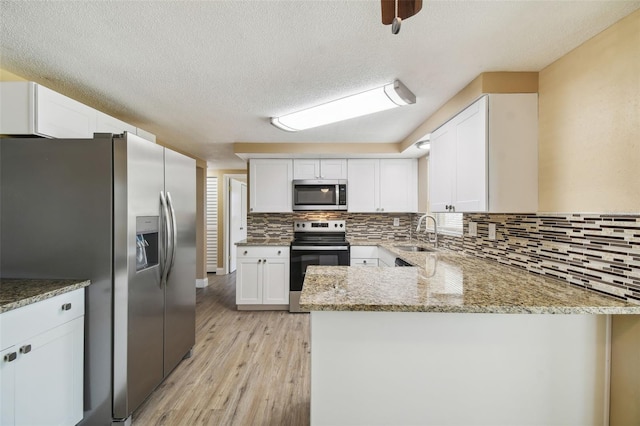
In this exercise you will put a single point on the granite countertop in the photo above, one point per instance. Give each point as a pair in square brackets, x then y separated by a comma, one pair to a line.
[18, 292]
[446, 281]
[263, 242]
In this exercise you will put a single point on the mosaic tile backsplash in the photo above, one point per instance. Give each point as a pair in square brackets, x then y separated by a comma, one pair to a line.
[600, 252]
[360, 226]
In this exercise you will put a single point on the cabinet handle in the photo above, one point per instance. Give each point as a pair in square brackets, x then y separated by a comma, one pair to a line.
[66, 307]
[364, 261]
[259, 260]
[264, 260]
[25, 349]
[251, 209]
[279, 251]
[10, 357]
[245, 252]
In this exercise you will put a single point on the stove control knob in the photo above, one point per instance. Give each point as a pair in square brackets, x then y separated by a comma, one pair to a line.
[303, 225]
[335, 225]
[341, 225]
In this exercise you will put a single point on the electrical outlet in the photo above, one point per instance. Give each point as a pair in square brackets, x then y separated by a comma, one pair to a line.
[473, 229]
[396, 221]
[492, 231]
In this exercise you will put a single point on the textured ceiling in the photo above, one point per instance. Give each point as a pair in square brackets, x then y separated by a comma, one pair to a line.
[204, 74]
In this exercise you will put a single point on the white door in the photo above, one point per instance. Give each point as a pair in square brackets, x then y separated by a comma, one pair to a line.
[237, 216]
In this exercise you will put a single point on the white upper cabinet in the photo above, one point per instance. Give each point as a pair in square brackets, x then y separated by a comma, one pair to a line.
[146, 135]
[485, 159]
[382, 185]
[326, 168]
[107, 124]
[398, 185]
[31, 109]
[270, 188]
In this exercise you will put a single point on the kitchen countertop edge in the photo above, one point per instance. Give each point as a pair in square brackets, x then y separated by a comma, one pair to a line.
[608, 306]
[46, 290]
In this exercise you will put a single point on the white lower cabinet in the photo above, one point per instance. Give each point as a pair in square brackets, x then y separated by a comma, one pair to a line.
[41, 364]
[364, 256]
[262, 276]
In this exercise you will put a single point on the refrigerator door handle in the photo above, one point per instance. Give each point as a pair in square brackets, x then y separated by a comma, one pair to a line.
[164, 220]
[174, 234]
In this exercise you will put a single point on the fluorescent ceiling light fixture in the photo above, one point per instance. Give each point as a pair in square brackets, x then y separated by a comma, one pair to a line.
[379, 99]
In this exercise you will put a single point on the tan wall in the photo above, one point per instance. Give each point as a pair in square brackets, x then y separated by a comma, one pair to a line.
[9, 76]
[589, 146]
[221, 206]
[423, 184]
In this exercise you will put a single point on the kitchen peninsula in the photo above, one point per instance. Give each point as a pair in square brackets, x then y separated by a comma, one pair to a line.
[456, 340]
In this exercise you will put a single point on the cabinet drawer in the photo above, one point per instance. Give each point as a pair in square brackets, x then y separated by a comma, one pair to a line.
[364, 262]
[30, 320]
[263, 251]
[364, 252]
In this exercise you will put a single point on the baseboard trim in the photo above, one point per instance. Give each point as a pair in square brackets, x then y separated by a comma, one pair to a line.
[220, 271]
[202, 282]
[262, 307]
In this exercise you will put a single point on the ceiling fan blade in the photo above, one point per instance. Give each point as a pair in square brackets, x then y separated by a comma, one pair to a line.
[406, 9]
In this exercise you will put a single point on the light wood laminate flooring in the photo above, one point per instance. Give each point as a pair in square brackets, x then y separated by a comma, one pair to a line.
[247, 368]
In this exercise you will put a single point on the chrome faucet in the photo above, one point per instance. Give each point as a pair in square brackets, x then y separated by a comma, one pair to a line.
[435, 228]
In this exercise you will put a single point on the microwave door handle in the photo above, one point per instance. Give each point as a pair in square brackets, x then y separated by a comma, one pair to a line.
[337, 192]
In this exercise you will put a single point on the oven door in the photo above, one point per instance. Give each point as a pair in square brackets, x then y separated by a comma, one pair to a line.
[303, 256]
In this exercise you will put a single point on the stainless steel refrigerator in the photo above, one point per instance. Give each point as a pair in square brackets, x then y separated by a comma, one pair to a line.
[119, 210]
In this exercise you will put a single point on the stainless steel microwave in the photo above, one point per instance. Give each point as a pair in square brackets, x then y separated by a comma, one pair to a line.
[319, 194]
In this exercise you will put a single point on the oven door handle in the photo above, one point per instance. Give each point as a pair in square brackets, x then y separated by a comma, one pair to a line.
[320, 248]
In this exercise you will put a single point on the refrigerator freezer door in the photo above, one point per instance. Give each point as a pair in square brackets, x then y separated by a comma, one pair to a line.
[138, 295]
[56, 216]
[180, 290]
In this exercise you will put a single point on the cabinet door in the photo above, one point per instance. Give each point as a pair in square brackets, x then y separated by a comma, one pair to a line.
[275, 281]
[270, 185]
[333, 168]
[8, 385]
[398, 185]
[471, 158]
[363, 193]
[49, 377]
[58, 116]
[249, 281]
[306, 169]
[107, 124]
[442, 167]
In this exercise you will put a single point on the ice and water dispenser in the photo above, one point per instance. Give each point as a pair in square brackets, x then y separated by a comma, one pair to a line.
[146, 242]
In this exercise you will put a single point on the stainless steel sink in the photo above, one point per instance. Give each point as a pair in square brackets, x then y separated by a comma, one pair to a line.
[414, 248]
